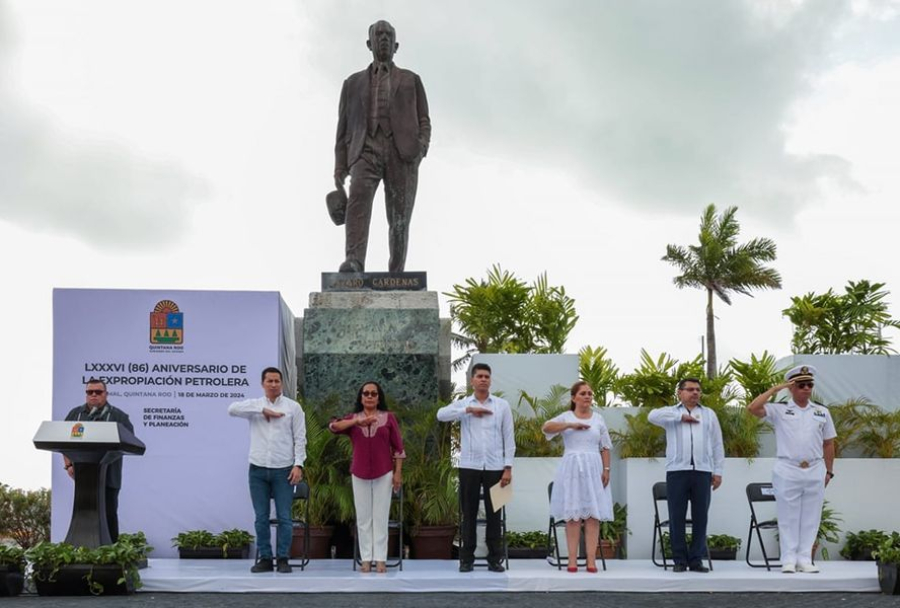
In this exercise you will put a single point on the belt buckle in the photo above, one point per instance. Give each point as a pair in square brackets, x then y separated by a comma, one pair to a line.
[804, 464]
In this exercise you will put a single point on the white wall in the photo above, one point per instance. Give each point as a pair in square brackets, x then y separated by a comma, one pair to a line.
[864, 492]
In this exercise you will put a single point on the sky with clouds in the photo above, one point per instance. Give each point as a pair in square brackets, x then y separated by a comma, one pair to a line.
[188, 144]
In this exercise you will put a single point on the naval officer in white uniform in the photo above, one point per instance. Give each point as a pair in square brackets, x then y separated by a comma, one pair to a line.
[804, 434]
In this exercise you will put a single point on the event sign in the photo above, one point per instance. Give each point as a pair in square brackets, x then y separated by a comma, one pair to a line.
[173, 361]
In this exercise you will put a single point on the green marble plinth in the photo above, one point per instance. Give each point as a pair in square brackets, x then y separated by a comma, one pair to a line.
[395, 339]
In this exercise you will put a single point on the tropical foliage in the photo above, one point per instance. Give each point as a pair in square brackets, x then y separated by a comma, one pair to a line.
[597, 369]
[641, 438]
[327, 469]
[430, 480]
[25, 515]
[503, 314]
[718, 264]
[757, 375]
[848, 323]
[879, 433]
[529, 417]
[849, 418]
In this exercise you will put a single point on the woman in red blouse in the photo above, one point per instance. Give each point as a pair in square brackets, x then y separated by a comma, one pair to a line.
[376, 470]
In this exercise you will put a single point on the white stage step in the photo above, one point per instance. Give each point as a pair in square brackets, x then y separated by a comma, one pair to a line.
[433, 576]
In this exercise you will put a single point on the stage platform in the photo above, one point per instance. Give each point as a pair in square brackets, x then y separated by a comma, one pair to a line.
[433, 576]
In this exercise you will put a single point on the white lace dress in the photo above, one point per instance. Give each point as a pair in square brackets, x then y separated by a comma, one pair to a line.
[578, 491]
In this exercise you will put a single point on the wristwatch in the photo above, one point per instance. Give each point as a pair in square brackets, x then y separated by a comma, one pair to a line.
[830, 474]
[606, 468]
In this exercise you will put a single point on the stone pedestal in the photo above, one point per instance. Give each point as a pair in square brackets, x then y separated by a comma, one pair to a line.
[396, 338]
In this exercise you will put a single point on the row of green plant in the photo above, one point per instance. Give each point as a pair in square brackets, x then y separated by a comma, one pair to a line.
[47, 558]
[225, 540]
[721, 542]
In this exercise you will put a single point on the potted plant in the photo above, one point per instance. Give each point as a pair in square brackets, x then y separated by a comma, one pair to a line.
[723, 546]
[203, 544]
[12, 570]
[829, 531]
[859, 546]
[527, 545]
[138, 540]
[327, 471]
[62, 569]
[613, 532]
[430, 483]
[887, 557]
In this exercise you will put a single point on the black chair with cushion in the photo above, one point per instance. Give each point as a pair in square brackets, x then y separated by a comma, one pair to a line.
[660, 495]
[554, 557]
[481, 522]
[761, 493]
[299, 519]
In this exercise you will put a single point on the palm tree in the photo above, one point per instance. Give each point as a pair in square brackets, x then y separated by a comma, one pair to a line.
[720, 265]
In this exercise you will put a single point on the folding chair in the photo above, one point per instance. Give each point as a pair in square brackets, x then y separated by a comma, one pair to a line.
[481, 561]
[554, 558]
[660, 495]
[393, 524]
[761, 492]
[299, 519]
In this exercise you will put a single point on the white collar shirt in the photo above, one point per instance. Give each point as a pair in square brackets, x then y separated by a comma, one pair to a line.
[486, 442]
[276, 443]
[800, 432]
[691, 447]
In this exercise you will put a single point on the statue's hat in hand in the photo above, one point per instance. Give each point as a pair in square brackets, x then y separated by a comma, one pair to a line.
[336, 200]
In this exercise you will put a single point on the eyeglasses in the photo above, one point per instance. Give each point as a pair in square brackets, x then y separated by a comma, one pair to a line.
[804, 384]
[94, 391]
[370, 393]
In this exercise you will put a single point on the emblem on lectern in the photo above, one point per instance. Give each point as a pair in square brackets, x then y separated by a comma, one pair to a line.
[78, 431]
[166, 323]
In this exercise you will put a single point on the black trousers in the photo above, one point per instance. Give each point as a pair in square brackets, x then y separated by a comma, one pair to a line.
[683, 487]
[472, 483]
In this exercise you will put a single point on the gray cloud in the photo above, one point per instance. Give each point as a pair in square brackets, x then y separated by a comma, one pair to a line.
[654, 103]
[99, 192]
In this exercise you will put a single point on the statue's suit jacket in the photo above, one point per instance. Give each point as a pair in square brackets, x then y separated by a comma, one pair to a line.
[410, 123]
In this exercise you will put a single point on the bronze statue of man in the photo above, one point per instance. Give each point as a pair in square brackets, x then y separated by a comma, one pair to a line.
[383, 134]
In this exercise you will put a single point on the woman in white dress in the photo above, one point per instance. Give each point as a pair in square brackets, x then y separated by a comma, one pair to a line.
[581, 490]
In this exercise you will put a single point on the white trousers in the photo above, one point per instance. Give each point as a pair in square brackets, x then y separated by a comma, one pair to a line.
[372, 498]
[799, 495]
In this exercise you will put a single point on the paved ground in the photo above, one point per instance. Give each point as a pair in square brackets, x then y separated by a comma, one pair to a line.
[467, 600]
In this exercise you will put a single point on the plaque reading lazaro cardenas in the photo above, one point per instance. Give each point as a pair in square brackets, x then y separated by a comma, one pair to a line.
[374, 281]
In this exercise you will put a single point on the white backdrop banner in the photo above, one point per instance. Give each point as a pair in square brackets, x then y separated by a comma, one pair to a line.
[173, 361]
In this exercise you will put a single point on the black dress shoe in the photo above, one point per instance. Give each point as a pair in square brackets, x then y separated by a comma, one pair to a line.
[466, 567]
[698, 568]
[350, 265]
[263, 565]
[679, 568]
[496, 568]
[283, 566]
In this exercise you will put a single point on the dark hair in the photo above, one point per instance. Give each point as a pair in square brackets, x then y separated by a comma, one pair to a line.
[684, 381]
[95, 381]
[480, 366]
[382, 404]
[574, 391]
[271, 370]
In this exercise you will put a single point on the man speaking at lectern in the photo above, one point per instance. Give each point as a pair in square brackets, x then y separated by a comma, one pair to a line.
[97, 409]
